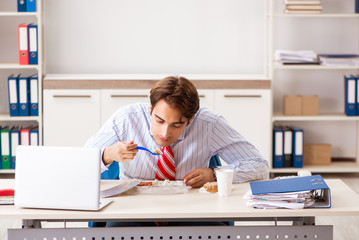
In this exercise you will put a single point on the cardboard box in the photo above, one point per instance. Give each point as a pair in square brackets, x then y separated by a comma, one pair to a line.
[317, 154]
[310, 105]
[292, 105]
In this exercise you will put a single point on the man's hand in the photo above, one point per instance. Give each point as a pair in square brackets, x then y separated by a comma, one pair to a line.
[120, 152]
[198, 177]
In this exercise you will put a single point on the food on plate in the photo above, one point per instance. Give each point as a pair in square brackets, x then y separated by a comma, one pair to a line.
[161, 183]
[211, 187]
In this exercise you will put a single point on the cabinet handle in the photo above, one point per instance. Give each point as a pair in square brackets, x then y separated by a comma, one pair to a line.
[131, 96]
[71, 96]
[201, 96]
[242, 96]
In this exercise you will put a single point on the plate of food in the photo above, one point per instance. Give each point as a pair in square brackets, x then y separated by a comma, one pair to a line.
[162, 187]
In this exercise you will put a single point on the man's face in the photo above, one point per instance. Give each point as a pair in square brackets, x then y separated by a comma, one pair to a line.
[167, 123]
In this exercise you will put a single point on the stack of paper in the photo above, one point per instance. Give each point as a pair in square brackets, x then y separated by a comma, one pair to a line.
[339, 59]
[295, 57]
[7, 196]
[293, 193]
[303, 6]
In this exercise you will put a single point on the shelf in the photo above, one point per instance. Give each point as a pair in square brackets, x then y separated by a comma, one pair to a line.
[314, 67]
[18, 14]
[319, 15]
[7, 171]
[335, 167]
[6, 117]
[17, 66]
[321, 117]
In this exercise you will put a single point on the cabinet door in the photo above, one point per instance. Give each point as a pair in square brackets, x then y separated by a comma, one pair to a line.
[249, 112]
[70, 116]
[113, 99]
[206, 98]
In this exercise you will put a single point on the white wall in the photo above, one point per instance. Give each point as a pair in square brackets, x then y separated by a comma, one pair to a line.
[155, 36]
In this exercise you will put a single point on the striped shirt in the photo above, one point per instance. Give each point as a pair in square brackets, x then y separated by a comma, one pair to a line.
[208, 134]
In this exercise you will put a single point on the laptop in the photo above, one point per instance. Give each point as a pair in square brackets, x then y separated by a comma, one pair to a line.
[58, 178]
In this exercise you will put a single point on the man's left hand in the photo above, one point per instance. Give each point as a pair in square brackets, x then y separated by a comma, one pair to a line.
[198, 177]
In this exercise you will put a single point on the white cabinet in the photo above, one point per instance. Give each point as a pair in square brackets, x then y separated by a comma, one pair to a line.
[249, 112]
[70, 116]
[113, 99]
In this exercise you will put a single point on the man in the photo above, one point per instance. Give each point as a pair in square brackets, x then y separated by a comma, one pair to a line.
[173, 119]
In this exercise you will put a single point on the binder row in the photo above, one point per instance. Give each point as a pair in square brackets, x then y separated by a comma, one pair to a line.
[288, 146]
[10, 138]
[351, 95]
[26, 5]
[23, 95]
[28, 44]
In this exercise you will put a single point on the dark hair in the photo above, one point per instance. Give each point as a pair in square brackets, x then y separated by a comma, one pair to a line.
[178, 92]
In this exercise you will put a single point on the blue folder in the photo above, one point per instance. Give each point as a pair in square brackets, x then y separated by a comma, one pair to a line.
[33, 43]
[21, 6]
[34, 95]
[23, 96]
[13, 95]
[350, 95]
[30, 5]
[298, 147]
[278, 157]
[295, 184]
[15, 141]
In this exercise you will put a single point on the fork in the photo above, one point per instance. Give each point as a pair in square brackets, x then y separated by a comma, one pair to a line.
[153, 153]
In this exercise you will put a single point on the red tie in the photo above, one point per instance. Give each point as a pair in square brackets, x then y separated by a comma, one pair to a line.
[166, 165]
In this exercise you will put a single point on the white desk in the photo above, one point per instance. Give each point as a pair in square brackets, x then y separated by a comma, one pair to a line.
[193, 206]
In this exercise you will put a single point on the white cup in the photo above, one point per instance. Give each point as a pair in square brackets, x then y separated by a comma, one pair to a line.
[224, 181]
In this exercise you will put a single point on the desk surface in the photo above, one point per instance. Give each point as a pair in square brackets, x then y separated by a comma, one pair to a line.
[193, 205]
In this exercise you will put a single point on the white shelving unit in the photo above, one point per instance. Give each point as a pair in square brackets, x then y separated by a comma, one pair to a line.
[279, 86]
[10, 16]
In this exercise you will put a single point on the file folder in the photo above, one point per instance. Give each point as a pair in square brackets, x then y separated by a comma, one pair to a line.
[23, 96]
[277, 147]
[356, 6]
[5, 148]
[296, 184]
[298, 147]
[350, 95]
[34, 137]
[287, 147]
[33, 45]
[23, 45]
[25, 136]
[21, 5]
[15, 141]
[13, 96]
[34, 95]
[31, 5]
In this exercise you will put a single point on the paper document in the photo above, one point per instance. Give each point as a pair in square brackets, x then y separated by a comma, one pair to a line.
[122, 187]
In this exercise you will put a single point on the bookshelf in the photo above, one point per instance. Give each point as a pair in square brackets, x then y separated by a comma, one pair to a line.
[9, 64]
[322, 33]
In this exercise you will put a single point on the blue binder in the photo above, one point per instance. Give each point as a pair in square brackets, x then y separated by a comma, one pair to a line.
[13, 95]
[33, 43]
[34, 95]
[31, 5]
[278, 135]
[34, 136]
[21, 6]
[356, 6]
[23, 96]
[350, 95]
[298, 147]
[15, 141]
[296, 184]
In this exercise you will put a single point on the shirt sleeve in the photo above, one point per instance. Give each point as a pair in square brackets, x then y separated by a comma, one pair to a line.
[107, 135]
[238, 153]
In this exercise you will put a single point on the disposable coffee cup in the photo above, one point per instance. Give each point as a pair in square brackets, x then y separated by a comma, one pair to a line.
[224, 181]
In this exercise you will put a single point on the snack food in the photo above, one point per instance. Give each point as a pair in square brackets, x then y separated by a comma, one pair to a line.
[157, 151]
[211, 187]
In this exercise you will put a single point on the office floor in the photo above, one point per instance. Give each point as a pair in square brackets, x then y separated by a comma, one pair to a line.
[345, 228]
